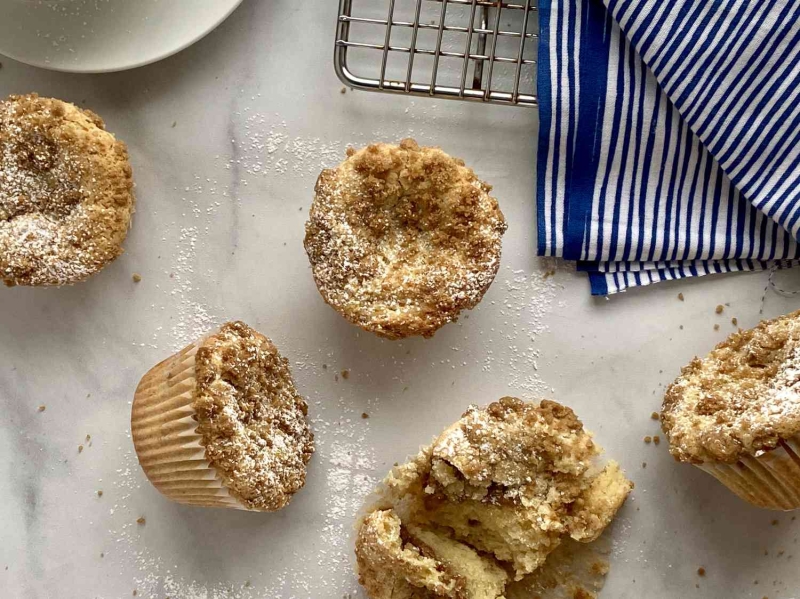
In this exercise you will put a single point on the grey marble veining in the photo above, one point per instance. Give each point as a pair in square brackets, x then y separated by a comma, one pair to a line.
[222, 199]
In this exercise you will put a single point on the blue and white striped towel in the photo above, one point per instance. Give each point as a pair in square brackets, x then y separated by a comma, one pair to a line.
[669, 142]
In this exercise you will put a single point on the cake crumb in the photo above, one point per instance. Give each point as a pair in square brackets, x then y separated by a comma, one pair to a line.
[80, 448]
[656, 439]
[364, 415]
[42, 408]
[137, 277]
[720, 309]
[99, 493]
[345, 374]
[701, 571]
[343, 90]
[735, 321]
[140, 520]
[644, 464]
[716, 327]
[654, 416]
[648, 439]
[680, 296]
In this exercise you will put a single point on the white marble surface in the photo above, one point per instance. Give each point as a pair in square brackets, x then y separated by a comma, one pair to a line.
[222, 198]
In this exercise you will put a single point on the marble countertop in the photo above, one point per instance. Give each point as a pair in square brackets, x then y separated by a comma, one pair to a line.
[226, 140]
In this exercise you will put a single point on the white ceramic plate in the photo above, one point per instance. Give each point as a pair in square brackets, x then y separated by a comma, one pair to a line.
[95, 36]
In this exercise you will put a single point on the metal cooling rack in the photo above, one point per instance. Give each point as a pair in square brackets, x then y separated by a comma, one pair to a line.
[480, 50]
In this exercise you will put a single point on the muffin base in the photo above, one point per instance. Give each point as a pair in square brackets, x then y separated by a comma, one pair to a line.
[770, 481]
[163, 429]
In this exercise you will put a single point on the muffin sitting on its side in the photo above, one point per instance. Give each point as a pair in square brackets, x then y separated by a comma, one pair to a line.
[736, 413]
[65, 192]
[402, 238]
[220, 424]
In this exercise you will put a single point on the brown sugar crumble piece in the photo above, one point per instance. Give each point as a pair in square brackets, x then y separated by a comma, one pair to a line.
[719, 309]
[137, 278]
[345, 374]
[656, 439]
[42, 408]
[735, 321]
[343, 90]
[364, 415]
[680, 296]
[141, 521]
[648, 439]
[654, 416]
[701, 571]
[99, 493]
[716, 327]
[80, 448]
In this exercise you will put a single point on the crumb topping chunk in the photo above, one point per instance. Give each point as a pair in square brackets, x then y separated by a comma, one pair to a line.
[252, 420]
[743, 398]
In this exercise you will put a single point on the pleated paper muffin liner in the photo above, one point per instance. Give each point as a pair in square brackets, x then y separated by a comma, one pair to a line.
[771, 480]
[164, 435]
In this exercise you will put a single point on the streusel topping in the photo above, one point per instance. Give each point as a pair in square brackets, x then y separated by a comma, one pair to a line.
[65, 192]
[402, 238]
[743, 398]
[251, 417]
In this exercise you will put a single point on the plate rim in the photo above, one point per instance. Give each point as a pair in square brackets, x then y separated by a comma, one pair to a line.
[127, 67]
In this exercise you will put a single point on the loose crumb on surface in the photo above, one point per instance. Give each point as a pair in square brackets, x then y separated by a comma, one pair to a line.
[656, 439]
[774, 523]
[364, 415]
[137, 278]
[141, 520]
[644, 464]
[720, 309]
[716, 327]
[345, 374]
[701, 571]
[654, 416]
[80, 448]
[680, 296]
[99, 493]
[735, 321]
[648, 439]
[42, 408]
[343, 90]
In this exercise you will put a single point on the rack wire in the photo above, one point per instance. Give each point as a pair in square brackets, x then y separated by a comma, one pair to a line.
[479, 50]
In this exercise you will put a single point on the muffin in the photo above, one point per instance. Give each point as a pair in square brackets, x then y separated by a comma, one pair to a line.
[486, 504]
[220, 424]
[66, 192]
[736, 413]
[402, 238]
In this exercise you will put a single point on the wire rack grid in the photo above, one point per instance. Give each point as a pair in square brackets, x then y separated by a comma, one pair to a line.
[479, 50]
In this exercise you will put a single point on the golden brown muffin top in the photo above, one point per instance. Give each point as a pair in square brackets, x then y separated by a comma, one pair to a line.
[743, 398]
[65, 192]
[507, 482]
[251, 418]
[402, 238]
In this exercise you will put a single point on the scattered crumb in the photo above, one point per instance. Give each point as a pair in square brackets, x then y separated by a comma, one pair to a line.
[135, 592]
[680, 296]
[364, 415]
[324, 367]
[174, 124]
[42, 408]
[102, 555]
[701, 571]
[343, 90]
[80, 448]
[735, 321]
[137, 277]
[141, 520]
[656, 439]
[88, 438]
[681, 327]
[549, 273]
[99, 493]
[720, 309]
[654, 416]
[644, 464]
[716, 327]
[345, 374]
[648, 439]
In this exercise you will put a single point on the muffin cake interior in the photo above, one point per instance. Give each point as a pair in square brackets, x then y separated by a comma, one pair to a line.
[402, 238]
[251, 418]
[65, 192]
[743, 398]
[487, 503]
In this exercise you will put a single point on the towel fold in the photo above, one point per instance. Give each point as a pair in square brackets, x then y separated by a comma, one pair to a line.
[669, 132]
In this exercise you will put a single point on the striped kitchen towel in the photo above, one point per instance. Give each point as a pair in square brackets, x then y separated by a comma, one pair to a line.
[669, 140]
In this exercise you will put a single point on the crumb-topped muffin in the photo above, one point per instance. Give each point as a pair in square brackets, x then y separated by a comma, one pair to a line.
[736, 413]
[228, 400]
[401, 238]
[66, 192]
[487, 503]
